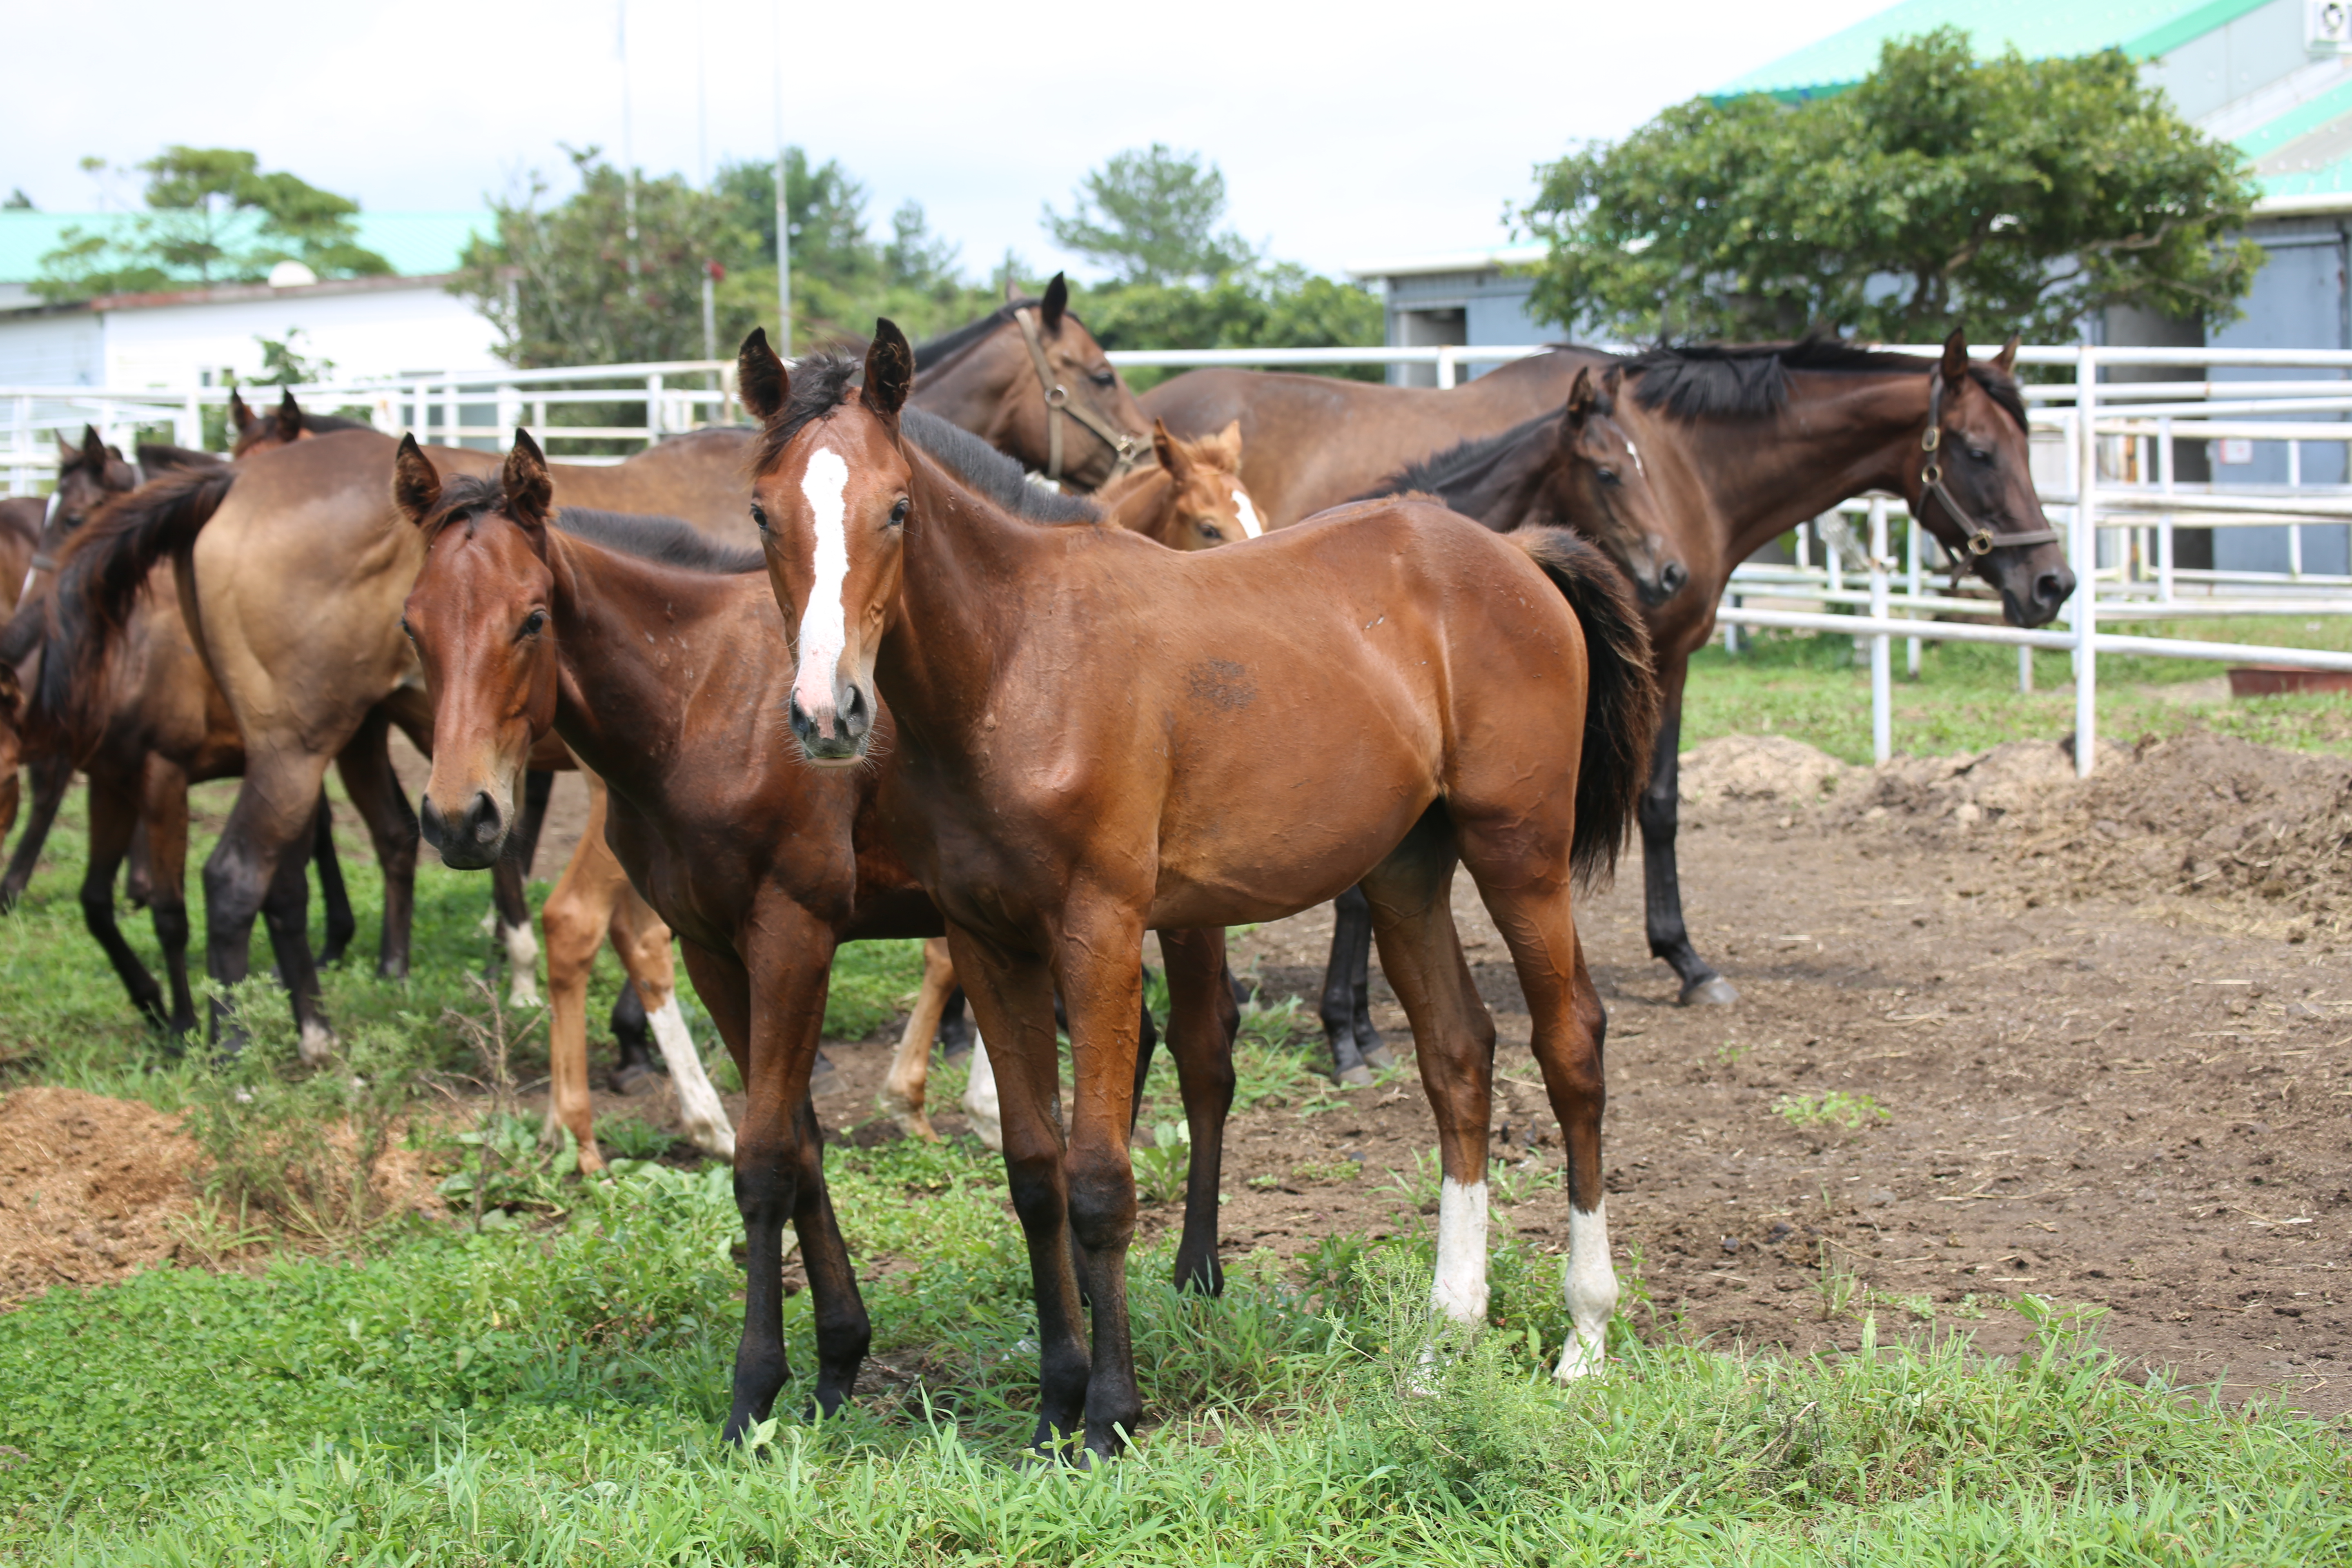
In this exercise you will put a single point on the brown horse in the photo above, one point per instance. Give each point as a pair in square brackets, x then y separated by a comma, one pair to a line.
[292, 567]
[1366, 698]
[1314, 441]
[1031, 381]
[655, 654]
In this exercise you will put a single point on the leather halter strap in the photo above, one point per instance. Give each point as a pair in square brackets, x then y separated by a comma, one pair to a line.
[1981, 541]
[1125, 448]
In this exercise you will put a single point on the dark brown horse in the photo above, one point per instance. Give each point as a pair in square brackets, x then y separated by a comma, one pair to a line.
[1031, 381]
[1367, 698]
[1314, 441]
[655, 654]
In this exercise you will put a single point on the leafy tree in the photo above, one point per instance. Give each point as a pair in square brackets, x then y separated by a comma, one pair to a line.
[2001, 194]
[1280, 305]
[1147, 215]
[283, 362]
[18, 200]
[212, 217]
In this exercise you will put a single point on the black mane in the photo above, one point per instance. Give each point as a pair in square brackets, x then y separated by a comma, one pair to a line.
[666, 541]
[995, 476]
[930, 355]
[1457, 466]
[1700, 381]
[327, 424]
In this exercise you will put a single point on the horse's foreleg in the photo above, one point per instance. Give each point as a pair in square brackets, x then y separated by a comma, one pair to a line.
[955, 1025]
[538, 786]
[642, 939]
[138, 875]
[114, 814]
[1351, 936]
[1012, 996]
[376, 794]
[578, 912]
[903, 1090]
[510, 909]
[286, 913]
[1202, 1022]
[269, 825]
[340, 924]
[52, 776]
[165, 811]
[1661, 886]
[633, 1038]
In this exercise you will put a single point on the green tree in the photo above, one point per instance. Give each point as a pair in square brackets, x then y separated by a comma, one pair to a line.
[212, 217]
[1149, 214]
[2001, 195]
[1277, 305]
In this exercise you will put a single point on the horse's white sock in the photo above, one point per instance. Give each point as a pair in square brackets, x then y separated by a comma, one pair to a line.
[697, 1100]
[1591, 1292]
[1460, 1289]
[522, 964]
[980, 1097]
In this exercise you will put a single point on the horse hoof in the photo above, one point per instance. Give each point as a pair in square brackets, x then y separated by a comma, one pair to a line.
[916, 1125]
[1357, 1077]
[824, 1080]
[635, 1078]
[1715, 991]
[1379, 1059]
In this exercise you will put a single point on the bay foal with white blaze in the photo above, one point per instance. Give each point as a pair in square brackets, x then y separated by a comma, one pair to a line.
[1097, 737]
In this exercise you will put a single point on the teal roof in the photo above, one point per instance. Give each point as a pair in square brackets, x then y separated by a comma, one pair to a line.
[2040, 29]
[416, 243]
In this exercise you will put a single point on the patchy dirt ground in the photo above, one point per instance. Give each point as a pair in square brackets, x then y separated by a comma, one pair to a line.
[90, 1188]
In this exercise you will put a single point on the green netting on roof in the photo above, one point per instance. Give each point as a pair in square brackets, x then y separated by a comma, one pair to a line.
[416, 243]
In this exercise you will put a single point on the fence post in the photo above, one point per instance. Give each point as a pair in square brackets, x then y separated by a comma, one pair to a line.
[20, 480]
[2086, 565]
[653, 408]
[1445, 367]
[2294, 530]
[188, 424]
[510, 411]
[1911, 570]
[1882, 647]
[2164, 519]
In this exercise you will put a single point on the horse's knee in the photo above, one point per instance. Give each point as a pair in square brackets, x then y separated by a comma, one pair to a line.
[1102, 1199]
[1037, 1196]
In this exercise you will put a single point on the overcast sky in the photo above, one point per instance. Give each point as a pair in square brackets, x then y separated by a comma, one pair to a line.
[1345, 133]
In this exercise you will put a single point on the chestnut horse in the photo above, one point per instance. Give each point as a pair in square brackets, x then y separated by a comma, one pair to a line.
[655, 654]
[1097, 737]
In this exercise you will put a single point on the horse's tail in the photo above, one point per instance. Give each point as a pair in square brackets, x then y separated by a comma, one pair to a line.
[1620, 704]
[106, 565]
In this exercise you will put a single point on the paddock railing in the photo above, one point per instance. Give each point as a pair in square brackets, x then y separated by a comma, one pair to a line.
[2107, 460]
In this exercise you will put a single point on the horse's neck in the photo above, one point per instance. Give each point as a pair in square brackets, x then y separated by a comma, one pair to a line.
[1838, 436]
[969, 389]
[968, 571]
[1137, 501]
[1498, 491]
[614, 705]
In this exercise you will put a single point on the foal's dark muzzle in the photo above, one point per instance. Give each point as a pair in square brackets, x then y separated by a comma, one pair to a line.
[1657, 587]
[2033, 598]
[474, 840]
[842, 741]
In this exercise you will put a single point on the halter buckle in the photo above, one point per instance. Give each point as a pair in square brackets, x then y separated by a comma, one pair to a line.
[1980, 541]
[1932, 438]
[1931, 473]
[1057, 396]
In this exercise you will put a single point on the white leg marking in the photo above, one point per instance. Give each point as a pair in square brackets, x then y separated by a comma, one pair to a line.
[316, 1045]
[697, 1101]
[980, 1097]
[825, 624]
[522, 964]
[1246, 512]
[1592, 1293]
[1460, 1289]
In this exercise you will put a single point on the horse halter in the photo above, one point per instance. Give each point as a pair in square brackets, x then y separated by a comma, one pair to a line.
[1058, 405]
[1981, 540]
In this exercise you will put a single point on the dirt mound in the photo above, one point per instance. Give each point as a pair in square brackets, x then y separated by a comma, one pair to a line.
[2016, 782]
[90, 1188]
[1757, 768]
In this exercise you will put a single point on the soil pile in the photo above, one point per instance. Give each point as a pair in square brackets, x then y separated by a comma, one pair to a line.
[90, 1188]
[1741, 768]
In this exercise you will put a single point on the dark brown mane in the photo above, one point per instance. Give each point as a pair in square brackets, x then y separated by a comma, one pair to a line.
[666, 541]
[1698, 380]
[947, 345]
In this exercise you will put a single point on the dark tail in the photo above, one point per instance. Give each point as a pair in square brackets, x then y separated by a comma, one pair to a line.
[100, 577]
[1620, 703]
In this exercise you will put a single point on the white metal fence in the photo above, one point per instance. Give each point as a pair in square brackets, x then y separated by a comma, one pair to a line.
[2106, 467]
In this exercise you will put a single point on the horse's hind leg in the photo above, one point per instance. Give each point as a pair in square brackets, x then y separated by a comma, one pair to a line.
[1453, 1041]
[642, 939]
[52, 776]
[285, 913]
[633, 1039]
[165, 813]
[376, 794]
[342, 926]
[1202, 1023]
[1662, 888]
[1533, 912]
[1351, 949]
[578, 912]
[269, 824]
[910, 1064]
[114, 814]
[512, 911]
[138, 872]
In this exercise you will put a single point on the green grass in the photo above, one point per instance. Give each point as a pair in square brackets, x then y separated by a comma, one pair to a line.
[1813, 688]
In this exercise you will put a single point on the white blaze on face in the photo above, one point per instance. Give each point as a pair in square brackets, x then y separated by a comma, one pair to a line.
[825, 624]
[1460, 1289]
[1592, 1293]
[1634, 453]
[1251, 526]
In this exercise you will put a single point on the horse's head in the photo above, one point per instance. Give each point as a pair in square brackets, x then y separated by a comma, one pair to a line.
[832, 493]
[1971, 485]
[1596, 483]
[1035, 382]
[478, 619]
[89, 476]
[281, 427]
[1195, 500]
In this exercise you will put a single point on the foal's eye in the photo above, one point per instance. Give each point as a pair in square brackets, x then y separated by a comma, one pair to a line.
[1608, 477]
[406, 630]
[1103, 378]
[760, 517]
[898, 512]
[1211, 531]
[533, 624]
[1978, 454]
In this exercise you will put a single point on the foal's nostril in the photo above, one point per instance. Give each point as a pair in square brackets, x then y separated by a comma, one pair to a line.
[485, 813]
[2050, 589]
[435, 826]
[854, 711]
[1673, 576]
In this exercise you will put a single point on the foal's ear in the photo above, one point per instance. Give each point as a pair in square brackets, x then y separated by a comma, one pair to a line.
[1172, 460]
[1956, 357]
[289, 417]
[68, 453]
[889, 369]
[760, 378]
[415, 486]
[1227, 443]
[2005, 361]
[94, 450]
[1583, 397]
[528, 488]
[1056, 301]
[240, 414]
